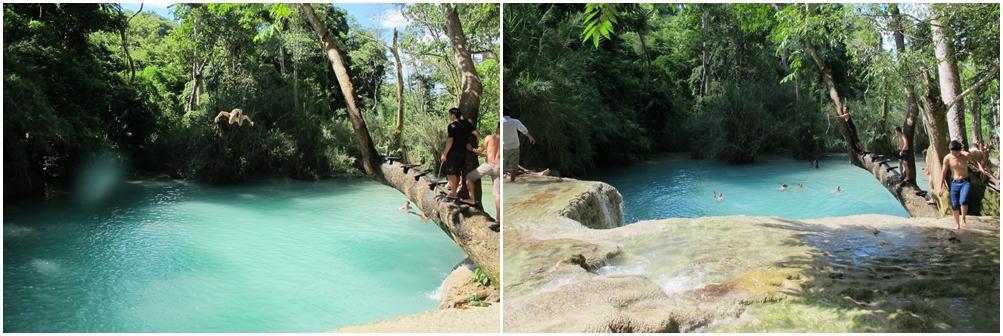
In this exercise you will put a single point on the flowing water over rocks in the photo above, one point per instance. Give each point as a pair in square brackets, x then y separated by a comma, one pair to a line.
[740, 274]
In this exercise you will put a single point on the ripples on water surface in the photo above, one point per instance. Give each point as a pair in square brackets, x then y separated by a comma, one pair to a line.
[173, 256]
[680, 187]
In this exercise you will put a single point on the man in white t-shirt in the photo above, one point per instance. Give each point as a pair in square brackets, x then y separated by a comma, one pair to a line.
[511, 127]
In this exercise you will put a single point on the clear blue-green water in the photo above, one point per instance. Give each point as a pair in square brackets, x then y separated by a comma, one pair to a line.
[682, 187]
[173, 256]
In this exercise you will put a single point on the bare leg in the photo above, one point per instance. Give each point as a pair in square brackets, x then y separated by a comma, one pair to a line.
[452, 182]
[242, 118]
[471, 184]
[964, 216]
[957, 223]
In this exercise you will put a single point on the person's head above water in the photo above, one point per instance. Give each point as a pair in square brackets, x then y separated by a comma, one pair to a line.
[955, 145]
[454, 114]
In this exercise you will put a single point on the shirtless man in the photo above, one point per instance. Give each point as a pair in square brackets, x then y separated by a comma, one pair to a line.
[235, 116]
[957, 163]
[490, 167]
[904, 154]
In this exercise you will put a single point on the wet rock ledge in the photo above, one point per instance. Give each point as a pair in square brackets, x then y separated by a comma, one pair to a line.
[570, 269]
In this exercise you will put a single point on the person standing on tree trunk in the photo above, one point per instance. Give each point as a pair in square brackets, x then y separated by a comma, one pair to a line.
[490, 166]
[511, 127]
[904, 153]
[454, 156]
[470, 162]
[957, 164]
[851, 129]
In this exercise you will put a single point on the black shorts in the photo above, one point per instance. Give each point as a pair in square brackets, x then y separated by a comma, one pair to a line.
[455, 164]
[904, 156]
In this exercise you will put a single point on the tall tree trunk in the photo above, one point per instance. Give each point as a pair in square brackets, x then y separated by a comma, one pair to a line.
[195, 99]
[470, 92]
[644, 48]
[950, 82]
[830, 84]
[370, 159]
[469, 227]
[705, 55]
[905, 193]
[883, 126]
[935, 120]
[976, 108]
[296, 88]
[125, 43]
[398, 129]
[911, 107]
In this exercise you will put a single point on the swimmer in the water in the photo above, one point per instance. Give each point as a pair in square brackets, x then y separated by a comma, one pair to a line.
[783, 187]
[838, 189]
[406, 208]
[718, 196]
[800, 186]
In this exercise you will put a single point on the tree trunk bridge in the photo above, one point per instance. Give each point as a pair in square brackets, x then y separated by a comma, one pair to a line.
[471, 228]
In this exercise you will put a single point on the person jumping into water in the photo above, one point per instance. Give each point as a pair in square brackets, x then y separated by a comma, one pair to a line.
[235, 116]
[956, 163]
[406, 208]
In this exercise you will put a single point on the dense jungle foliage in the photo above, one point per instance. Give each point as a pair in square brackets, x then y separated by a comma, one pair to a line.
[607, 84]
[83, 80]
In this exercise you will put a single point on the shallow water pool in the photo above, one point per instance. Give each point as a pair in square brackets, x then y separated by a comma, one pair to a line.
[682, 187]
[173, 256]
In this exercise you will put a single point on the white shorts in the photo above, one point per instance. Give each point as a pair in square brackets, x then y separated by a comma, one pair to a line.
[488, 169]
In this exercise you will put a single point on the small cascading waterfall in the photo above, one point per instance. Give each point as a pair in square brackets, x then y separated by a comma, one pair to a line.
[599, 207]
[605, 206]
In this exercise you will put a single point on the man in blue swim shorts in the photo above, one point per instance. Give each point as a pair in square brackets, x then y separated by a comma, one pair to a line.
[957, 163]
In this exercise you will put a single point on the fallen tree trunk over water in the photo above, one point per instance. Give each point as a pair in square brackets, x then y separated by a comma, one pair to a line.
[469, 227]
[908, 194]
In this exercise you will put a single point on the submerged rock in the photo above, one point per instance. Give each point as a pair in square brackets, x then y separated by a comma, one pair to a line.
[737, 273]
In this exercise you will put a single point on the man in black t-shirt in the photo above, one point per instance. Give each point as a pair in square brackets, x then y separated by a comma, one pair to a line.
[457, 149]
[470, 163]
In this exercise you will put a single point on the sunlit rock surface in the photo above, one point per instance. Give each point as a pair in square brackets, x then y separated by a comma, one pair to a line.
[737, 273]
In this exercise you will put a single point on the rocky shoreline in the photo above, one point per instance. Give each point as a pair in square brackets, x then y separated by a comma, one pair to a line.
[456, 312]
[569, 268]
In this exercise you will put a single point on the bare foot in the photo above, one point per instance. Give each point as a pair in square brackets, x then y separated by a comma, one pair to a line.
[468, 201]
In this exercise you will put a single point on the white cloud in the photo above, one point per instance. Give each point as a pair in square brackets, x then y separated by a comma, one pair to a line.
[393, 18]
